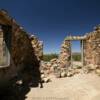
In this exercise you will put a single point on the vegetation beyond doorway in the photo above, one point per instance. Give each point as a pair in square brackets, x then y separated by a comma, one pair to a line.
[48, 57]
[76, 51]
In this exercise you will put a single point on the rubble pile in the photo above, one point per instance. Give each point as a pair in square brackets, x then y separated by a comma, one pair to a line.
[91, 69]
[53, 68]
[48, 68]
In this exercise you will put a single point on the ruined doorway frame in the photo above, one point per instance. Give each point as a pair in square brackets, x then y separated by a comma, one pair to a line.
[82, 51]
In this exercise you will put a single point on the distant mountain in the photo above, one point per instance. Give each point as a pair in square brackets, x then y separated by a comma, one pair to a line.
[76, 53]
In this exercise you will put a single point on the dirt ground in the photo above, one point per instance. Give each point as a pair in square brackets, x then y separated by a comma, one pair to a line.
[78, 87]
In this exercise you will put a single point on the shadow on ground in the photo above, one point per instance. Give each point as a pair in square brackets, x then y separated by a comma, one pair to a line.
[16, 92]
[30, 78]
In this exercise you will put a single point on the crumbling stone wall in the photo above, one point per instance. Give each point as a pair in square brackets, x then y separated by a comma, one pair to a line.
[37, 46]
[58, 66]
[24, 63]
[92, 48]
[65, 54]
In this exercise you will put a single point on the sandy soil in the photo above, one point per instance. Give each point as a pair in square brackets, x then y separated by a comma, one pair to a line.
[78, 87]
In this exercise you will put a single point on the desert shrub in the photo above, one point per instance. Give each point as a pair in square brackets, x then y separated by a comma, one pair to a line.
[48, 57]
[76, 57]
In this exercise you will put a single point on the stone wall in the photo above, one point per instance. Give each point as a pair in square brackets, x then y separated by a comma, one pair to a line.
[92, 48]
[65, 54]
[37, 46]
[24, 63]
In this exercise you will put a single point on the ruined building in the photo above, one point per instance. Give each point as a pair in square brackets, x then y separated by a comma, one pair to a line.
[90, 56]
[90, 48]
[21, 54]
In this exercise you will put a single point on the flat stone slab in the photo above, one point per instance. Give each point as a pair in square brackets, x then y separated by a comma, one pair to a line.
[75, 38]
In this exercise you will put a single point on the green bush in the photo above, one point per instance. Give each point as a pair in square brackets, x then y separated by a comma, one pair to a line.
[76, 57]
[48, 57]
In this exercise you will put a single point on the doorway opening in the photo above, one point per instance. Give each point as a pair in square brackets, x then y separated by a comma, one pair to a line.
[77, 53]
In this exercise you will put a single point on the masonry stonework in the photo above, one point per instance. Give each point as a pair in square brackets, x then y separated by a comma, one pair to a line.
[65, 54]
[37, 46]
[24, 62]
[92, 48]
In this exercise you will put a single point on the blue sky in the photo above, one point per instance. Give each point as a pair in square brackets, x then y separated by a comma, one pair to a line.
[52, 20]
